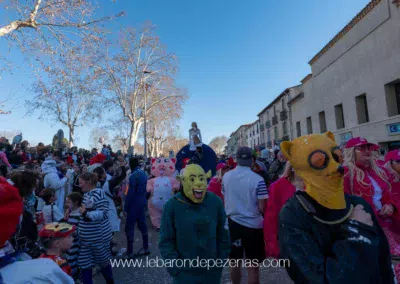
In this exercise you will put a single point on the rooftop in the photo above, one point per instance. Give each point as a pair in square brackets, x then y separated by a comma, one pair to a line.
[346, 29]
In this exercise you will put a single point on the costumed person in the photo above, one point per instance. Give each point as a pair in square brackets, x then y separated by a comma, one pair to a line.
[195, 140]
[161, 187]
[215, 185]
[279, 192]
[16, 266]
[52, 180]
[392, 160]
[135, 203]
[57, 240]
[185, 162]
[327, 236]
[364, 178]
[194, 226]
[94, 230]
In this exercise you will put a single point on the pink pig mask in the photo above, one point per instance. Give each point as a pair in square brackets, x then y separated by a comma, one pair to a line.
[162, 167]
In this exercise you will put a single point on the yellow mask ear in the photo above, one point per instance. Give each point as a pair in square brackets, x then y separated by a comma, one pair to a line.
[330, 135]
[285, 148]
[208, 174]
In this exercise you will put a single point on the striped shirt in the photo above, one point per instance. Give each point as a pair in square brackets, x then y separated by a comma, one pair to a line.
[242, 189]
[95, 226]
[73, 252]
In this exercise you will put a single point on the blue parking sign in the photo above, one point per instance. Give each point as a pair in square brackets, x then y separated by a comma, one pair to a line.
[394, 128]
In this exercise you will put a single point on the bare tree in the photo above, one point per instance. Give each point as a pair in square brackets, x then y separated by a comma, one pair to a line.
[161, 123]
[218, 144]
[95, 135]
[69, 94]
[174, 143]
[43, 22]
[139, 77]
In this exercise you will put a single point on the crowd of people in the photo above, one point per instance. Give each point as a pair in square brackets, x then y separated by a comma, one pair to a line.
[333, 212]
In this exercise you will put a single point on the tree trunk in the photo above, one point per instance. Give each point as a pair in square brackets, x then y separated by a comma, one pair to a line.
[71, 136]
[134, 132]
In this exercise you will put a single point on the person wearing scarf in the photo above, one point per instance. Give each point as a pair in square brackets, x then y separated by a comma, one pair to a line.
[364, 178]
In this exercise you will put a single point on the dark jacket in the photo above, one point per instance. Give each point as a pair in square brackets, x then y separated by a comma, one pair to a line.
[345, 253]
[190, 231]
[275, 170]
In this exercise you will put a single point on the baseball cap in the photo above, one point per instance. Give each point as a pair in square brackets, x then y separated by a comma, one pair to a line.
[244, 156]
[359, 141]
[392, 155]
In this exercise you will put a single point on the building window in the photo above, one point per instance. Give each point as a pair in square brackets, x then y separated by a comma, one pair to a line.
[362, 109]
[284, 128]
[392, 91]
[298, 129]
[268, 136]
[339, 116]
[309, 125]
[322, 122]
[276, 132]
[258, 139]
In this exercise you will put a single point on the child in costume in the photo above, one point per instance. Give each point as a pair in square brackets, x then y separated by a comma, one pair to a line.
[364, 178]
[57, 240]
[327, 236]
[161, 187]
[51, 212]
[194, 226]
[73, 215]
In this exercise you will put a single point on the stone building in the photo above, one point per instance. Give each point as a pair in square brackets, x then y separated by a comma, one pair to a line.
[237, 139]
[253, 135]
[354, 88]
[274, 119]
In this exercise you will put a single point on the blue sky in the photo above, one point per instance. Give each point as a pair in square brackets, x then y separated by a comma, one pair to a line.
[235, 56]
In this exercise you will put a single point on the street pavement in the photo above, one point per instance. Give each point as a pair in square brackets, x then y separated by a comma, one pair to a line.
[154, 275]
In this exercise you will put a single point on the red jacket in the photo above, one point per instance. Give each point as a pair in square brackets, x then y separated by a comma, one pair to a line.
[367, 192]
[215, 186]
[279, 192]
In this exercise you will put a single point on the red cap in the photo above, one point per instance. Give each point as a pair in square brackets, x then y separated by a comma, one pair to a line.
[392, 155]
[11, 207]
[359, 141]
[57, 230]
[221, 166]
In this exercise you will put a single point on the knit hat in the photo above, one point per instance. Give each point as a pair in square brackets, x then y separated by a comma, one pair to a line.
[11, 207]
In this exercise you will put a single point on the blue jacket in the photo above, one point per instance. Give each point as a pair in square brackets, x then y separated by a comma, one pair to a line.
[136, 196]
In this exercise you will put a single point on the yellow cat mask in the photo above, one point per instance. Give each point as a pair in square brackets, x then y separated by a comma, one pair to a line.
[316, 159]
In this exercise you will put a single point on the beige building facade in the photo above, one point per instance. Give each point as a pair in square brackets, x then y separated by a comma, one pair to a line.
[354, 88]
[237, 139]
[274, 119]
[253, 135]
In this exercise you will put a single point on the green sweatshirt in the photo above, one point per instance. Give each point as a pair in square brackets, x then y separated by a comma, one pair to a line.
[192, 232]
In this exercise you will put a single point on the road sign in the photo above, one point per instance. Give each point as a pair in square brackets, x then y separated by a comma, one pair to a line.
[394, 128]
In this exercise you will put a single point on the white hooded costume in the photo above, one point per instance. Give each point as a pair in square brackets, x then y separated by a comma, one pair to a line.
[52, 180]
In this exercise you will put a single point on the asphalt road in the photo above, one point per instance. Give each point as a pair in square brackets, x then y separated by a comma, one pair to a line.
[154, 275]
